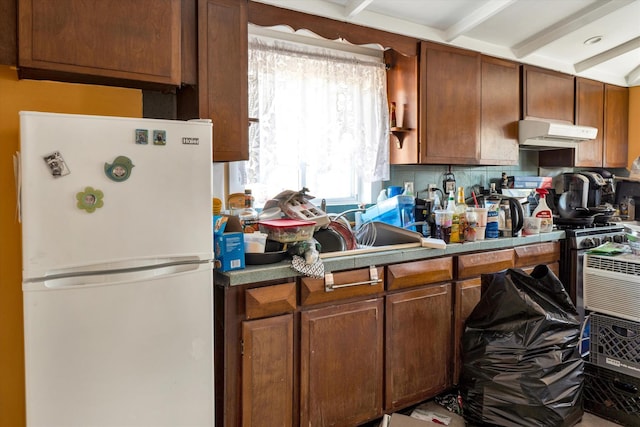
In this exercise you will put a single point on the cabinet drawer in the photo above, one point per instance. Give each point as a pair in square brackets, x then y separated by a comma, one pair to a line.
[270, 300]
[346, 284]
[540, 253]
[484, 262]
[418, 273]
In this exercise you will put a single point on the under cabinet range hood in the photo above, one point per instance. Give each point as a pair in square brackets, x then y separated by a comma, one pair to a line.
[537, 134]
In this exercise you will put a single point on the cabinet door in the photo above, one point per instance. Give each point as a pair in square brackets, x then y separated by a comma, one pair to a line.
[590, 112]
[417, 345]
[500, 112]
[222, 75]
[467, 296]
[547, 94]
[267, 372]
[8, 33]
[616, 126]
[450, 105]
[341, 364]
[100, 41]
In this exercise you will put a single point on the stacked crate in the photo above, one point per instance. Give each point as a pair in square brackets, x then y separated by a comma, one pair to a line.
[612, 374]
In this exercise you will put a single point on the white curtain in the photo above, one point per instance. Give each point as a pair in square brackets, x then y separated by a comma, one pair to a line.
[321, 113]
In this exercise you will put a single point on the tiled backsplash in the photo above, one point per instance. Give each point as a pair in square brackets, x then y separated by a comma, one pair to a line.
[466, 176]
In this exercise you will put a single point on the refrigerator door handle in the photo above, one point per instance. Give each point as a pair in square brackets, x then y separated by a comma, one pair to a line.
[110, 278]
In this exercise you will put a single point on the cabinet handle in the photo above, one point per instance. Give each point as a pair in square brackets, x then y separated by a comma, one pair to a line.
[330, 286]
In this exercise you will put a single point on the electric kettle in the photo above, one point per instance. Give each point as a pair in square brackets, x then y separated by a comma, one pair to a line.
[510, 214]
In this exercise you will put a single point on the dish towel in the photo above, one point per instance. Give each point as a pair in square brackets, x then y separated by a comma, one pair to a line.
[314, 269]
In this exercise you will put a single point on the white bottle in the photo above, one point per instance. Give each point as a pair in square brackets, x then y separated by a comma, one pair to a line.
[543, 212]
[631, 209]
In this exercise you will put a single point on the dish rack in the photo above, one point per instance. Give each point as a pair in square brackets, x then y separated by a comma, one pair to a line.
[306, 211]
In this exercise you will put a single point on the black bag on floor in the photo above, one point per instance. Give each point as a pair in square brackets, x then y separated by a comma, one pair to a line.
[521, 359]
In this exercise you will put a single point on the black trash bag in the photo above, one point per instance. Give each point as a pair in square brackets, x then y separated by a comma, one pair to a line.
[521, 358]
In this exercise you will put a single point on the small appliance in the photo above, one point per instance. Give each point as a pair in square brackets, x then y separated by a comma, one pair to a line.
[586, 188]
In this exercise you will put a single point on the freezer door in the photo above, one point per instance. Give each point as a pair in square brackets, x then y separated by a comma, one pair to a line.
[131, 352]
[158, 207]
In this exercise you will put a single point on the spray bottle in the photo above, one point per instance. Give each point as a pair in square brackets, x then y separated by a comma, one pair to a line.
[543, 212]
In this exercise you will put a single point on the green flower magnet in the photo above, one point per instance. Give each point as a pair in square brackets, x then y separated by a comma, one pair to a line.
[90, 199]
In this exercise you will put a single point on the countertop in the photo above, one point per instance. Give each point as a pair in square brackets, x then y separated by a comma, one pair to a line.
[388, 255]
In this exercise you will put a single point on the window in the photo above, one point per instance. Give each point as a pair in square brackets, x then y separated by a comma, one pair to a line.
[322, 122]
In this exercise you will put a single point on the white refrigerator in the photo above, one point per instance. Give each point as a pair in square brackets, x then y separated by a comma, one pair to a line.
[117, 270]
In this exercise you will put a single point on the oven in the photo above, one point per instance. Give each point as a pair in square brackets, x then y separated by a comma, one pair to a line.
[577, 242]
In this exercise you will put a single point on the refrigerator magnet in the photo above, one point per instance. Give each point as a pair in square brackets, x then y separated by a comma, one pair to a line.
[159, 137]
[90, 199]
[57, 165]
[120, 169]
[142, 136]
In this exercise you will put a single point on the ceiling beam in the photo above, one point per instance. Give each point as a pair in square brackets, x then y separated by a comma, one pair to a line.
[572, 23]
[607, 55]
[475, 18]
[354, 7]
[633, 78]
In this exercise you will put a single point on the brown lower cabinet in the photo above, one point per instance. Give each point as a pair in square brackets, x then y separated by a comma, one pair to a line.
[341, 364]
[267, 367]
[345, 351]
[417, 348]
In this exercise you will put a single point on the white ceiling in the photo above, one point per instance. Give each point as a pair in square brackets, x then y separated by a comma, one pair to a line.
[546, 33]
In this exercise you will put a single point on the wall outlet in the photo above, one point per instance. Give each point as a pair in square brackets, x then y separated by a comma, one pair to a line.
[408, 188]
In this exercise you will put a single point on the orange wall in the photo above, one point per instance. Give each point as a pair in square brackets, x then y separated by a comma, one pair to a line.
[634, 125]
[16, 95]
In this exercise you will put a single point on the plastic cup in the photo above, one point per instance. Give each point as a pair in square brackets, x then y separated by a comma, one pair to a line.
[444, 220]
[482, 216]
[254, 243]
[480, 233]
[531, 226]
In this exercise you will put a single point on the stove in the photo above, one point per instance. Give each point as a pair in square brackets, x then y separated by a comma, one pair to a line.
[594, 235]
[577, 242]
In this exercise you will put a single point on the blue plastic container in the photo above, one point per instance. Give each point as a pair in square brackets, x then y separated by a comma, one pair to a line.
[396, 210]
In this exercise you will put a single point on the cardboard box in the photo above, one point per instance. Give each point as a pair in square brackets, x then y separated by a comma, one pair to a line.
[399, 420]
[228, 243]
[532, 182]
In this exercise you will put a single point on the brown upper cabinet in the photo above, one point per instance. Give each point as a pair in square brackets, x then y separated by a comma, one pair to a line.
[590, 112]
[547, 94]
[131, 44]
[450, 80]
[8, 32]
[468, 107]
[616, 126]
[221, 93]
[500, 109]
[605, 107]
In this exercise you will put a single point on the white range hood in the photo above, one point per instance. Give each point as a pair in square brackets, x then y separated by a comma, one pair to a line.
[539, 134]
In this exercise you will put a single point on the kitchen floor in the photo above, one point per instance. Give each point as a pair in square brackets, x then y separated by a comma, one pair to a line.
[588, 419]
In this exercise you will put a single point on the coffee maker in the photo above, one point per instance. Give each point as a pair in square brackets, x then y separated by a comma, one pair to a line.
[586, 186]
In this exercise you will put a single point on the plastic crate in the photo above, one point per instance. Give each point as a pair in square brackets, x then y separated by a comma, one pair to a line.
[615, 344]
[612, 395]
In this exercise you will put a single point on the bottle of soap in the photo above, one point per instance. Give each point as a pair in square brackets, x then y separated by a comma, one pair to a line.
[543, 212]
